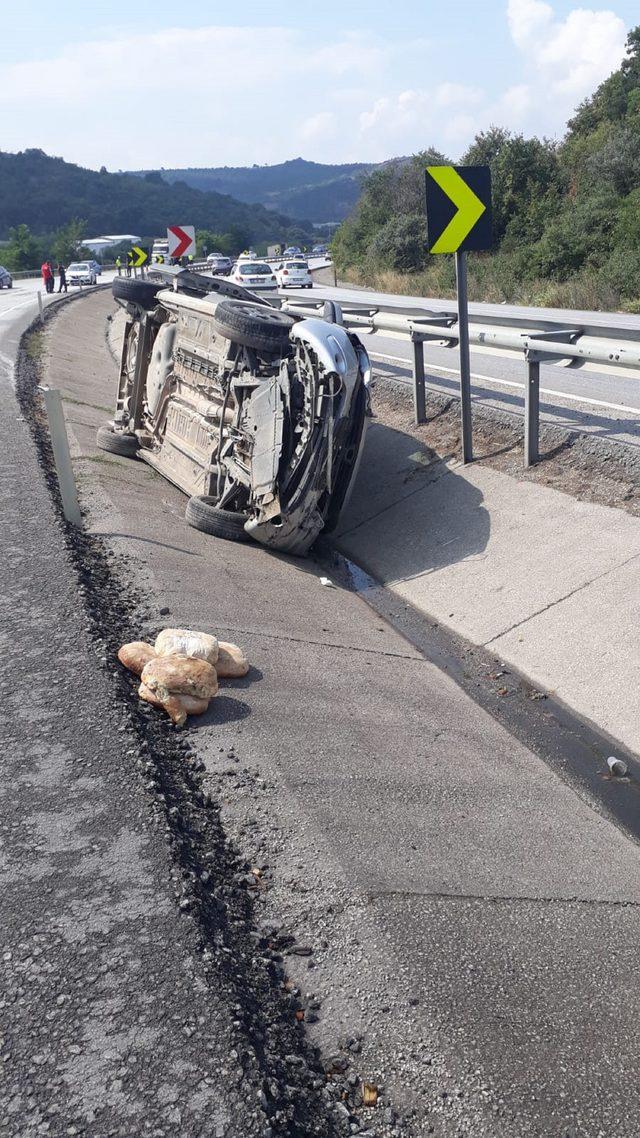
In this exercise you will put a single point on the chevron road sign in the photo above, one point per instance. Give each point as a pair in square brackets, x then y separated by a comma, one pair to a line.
[182, 240]
[458, 220]
[458, 208]
[137, 257]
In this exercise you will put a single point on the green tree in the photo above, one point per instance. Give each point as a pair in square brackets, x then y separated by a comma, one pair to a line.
[23, 251]
[66, 243]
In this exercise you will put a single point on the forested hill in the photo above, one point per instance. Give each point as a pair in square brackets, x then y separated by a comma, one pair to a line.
[298, 188]
[567, 215]
[45, 193]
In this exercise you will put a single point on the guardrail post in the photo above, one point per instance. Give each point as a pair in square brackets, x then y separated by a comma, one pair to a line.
[419, 395]
[532, 413]
[62, 455]
[332, 311]
[40, 306]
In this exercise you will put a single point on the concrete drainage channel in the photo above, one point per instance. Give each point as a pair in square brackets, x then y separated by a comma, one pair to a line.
[289, 1089]
[577, 751]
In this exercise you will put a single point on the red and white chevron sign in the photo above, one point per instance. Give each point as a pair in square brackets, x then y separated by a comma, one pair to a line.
[182, 240]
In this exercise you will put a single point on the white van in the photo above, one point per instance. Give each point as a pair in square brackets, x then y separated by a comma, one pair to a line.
[160, 251]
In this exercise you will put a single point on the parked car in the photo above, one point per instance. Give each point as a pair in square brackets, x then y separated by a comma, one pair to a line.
[6, 280]
[259, 415]
[219, 265]
[81, 273]
[254, 275]
[294, 274]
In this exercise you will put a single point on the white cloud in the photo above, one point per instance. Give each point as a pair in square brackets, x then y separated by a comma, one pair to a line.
[420, 117]
[457, 95]
[318, 126]
[569, 57]
[192, 96]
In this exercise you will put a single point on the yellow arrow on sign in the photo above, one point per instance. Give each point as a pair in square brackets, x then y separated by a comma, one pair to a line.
[141, 257]
[470, 208]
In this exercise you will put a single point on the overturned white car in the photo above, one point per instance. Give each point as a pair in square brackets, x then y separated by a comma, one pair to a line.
[258, 415]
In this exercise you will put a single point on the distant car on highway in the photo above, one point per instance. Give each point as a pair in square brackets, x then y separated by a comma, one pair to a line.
[255, 275]
[294, 274]
[320, 251]
[248, 255]
[219, 265]
[81, 273]
[292, 251]
[6, 280]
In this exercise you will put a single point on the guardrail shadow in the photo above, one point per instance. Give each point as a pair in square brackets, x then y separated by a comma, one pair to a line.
[410, 513]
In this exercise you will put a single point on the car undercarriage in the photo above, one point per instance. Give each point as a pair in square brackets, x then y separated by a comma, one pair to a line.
[258, 415]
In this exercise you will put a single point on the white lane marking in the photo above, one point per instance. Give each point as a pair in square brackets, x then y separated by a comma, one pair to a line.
[5, 311]
[510, 383]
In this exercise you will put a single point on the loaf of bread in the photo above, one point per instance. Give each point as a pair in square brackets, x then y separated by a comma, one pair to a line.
[180, 675]
[176, 706]
[134, 656]
[231, 660]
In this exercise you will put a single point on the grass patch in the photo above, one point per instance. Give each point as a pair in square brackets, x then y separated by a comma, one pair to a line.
[34, 347]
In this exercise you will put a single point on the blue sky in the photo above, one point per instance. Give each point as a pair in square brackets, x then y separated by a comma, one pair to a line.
[161, 84]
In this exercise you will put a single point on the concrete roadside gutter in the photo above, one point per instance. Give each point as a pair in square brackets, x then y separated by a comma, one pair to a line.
[548, 583]
[457, 923]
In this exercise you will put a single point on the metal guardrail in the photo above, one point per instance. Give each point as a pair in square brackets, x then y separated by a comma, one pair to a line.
[544, 341]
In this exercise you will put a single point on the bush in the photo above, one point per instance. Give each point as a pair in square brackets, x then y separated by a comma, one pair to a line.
[401, 244]
[621, 273]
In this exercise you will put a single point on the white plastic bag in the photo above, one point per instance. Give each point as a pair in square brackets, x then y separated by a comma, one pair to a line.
[186, 642]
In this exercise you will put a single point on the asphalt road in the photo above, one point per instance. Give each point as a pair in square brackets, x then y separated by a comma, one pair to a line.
[603, 403]
[120, 1012]
[460, 907]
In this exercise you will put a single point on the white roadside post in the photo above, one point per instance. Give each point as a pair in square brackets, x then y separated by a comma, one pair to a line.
[62, 455]
[40, 306]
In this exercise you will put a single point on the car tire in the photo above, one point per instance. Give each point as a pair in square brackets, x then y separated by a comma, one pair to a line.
[142, 293]
[253, 326]
[117, 442]
[203, 514]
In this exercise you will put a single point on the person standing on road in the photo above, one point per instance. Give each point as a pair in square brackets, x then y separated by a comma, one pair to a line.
[47, 276]
[119, 266]
[63, 278]
[51, 278]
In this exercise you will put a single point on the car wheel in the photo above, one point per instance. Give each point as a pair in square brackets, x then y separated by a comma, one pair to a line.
[253, 326]
[142, 293]
[117, 442]
[203, 514]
